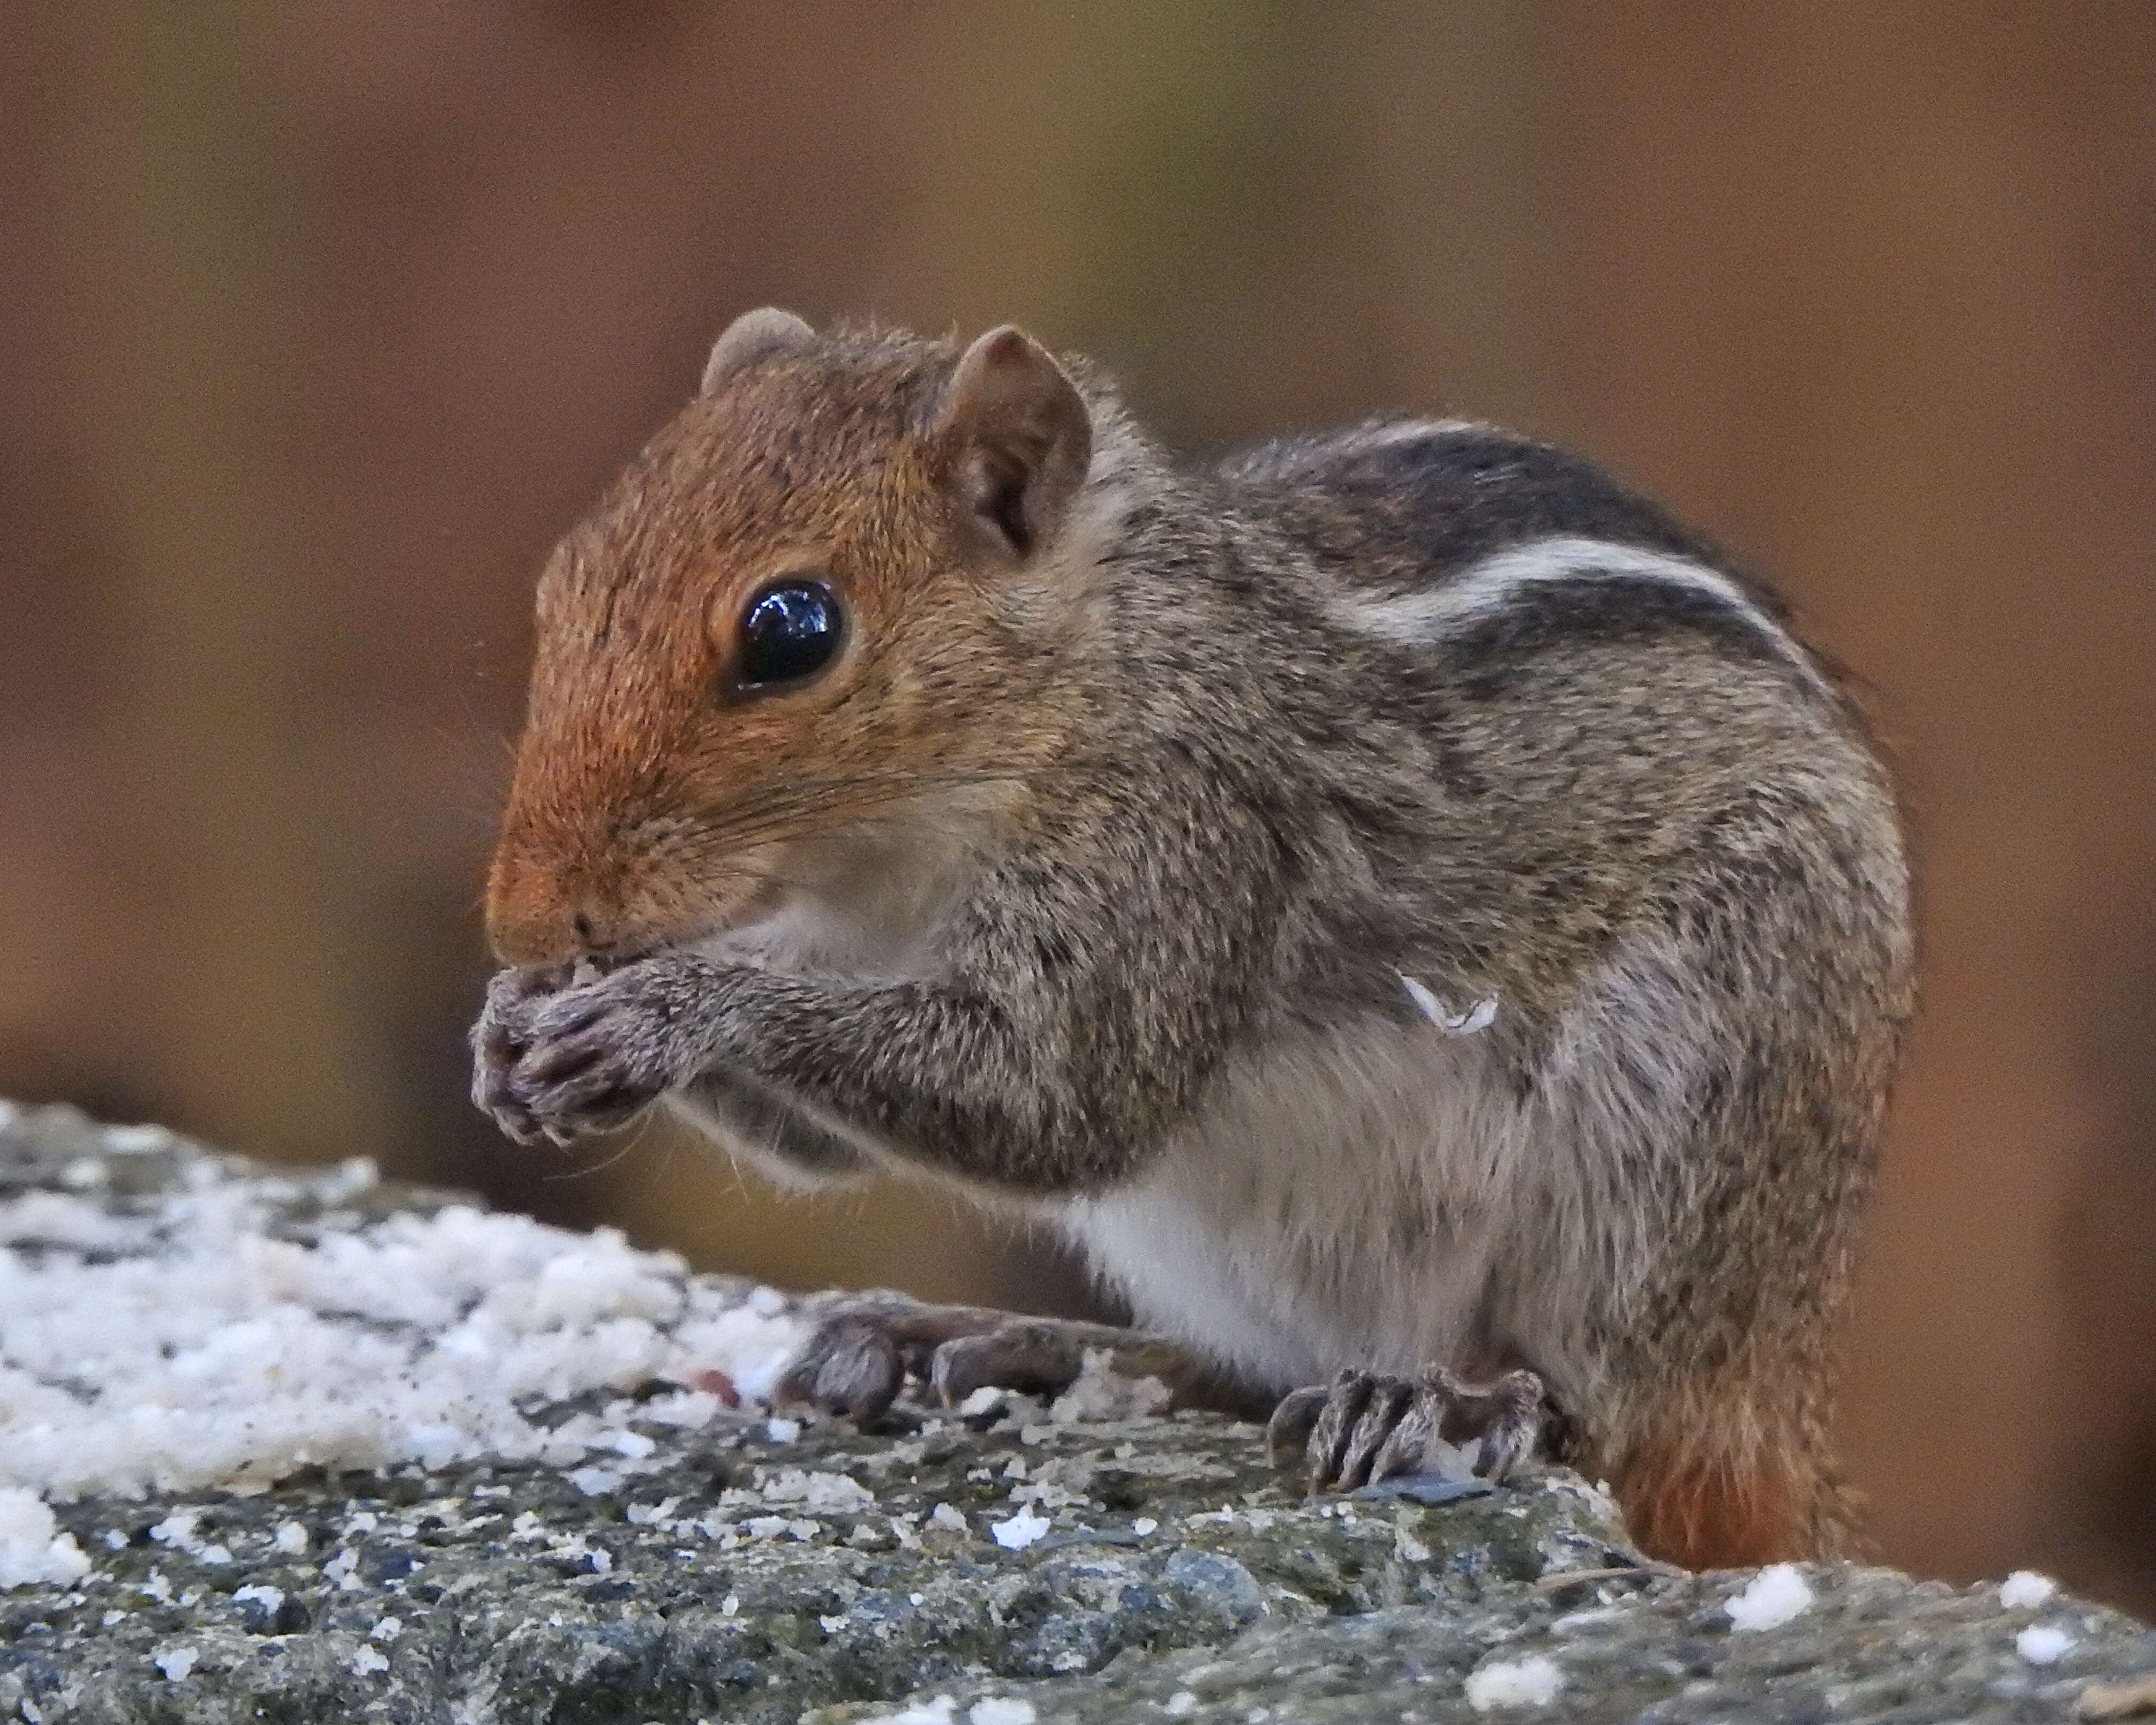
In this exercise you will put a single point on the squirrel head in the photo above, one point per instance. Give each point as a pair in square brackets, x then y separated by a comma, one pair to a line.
[819, 605]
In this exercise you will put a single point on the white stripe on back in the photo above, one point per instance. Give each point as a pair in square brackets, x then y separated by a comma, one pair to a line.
[1395, 433]
[1484, 589]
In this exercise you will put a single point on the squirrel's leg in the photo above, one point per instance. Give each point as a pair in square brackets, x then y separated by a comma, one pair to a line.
[1364, 1426]
[865, 1346]
[943, 1075]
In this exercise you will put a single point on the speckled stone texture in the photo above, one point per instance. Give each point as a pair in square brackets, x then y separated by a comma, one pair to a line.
[988, 1572]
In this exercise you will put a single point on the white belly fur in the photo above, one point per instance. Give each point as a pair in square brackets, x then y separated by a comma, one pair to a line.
[1339, 1204]
[1384, 1199]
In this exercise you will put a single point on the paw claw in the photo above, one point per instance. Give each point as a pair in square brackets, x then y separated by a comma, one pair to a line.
[1345, 1402]
[1380, 1419]
[1287, 1433]
[1364, 1427]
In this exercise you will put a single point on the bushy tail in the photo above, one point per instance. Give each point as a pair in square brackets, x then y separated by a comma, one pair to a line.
[1732, 1491]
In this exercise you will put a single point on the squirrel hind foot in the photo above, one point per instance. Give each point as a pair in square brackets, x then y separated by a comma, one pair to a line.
[865, 1347]
[1365, 1427]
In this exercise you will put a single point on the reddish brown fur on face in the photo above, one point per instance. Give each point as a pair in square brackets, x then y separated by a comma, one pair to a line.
[649, 801]
[1706, 1510]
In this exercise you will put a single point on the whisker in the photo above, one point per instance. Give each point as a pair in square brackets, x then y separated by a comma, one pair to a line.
[630, 1142]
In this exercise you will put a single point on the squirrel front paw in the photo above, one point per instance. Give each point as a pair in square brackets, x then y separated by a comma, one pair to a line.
[499, 1041]
[558, 1058]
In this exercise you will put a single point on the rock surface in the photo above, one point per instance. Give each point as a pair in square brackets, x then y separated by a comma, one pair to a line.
[716, 1563]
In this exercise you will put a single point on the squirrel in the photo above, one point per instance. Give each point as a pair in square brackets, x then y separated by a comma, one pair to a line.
[1416, 917]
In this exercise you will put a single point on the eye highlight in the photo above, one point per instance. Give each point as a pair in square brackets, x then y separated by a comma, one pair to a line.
[789, 630]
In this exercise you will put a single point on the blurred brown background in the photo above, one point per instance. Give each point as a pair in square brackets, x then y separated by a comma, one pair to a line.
[323, 321]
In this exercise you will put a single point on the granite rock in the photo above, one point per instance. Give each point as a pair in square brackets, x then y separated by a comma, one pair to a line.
[992, 1570]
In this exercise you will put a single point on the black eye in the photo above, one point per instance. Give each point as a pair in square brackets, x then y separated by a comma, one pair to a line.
[791, 630]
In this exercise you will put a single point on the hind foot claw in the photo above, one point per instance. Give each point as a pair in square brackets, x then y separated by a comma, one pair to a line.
[1364, 1427]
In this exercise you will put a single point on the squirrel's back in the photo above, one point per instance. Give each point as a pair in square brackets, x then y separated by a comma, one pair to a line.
[1391, 502]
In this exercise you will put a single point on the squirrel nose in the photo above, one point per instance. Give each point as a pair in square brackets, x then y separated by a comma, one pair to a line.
[532, 918]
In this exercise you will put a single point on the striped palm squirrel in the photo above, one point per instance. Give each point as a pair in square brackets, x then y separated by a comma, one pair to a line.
[1422, 925]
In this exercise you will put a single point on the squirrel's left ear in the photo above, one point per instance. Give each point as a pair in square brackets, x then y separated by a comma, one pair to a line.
[753, 335]
[1014, 439]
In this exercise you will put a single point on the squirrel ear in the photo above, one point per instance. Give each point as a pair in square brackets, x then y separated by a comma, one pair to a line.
[1016, 438]
[753, 335]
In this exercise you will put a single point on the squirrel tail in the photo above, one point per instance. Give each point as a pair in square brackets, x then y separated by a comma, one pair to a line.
[1732, 1493]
